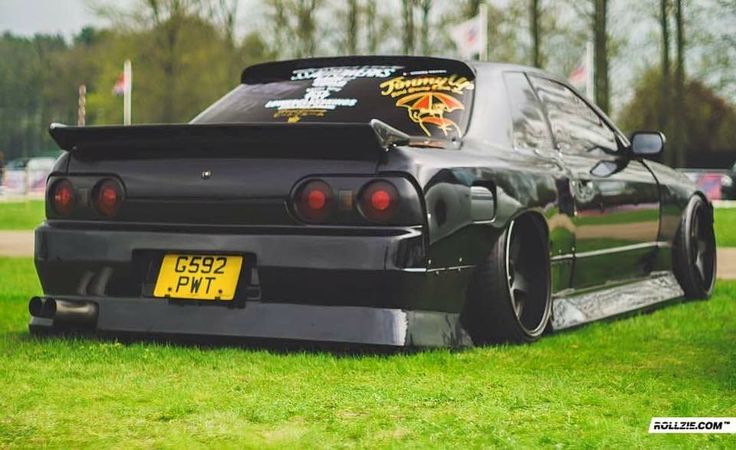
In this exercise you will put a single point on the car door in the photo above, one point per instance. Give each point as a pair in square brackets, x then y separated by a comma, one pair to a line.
[616, 198]
[531, 137]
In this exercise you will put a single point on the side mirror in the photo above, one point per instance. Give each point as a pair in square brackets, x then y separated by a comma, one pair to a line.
[647, 143]
[605, 168]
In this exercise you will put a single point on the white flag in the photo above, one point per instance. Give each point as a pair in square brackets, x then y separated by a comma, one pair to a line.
[120, 86]
[471, 36]
[581, 77]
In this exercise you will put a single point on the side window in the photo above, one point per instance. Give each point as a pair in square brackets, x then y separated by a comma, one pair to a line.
[530, 127]
[576, 127]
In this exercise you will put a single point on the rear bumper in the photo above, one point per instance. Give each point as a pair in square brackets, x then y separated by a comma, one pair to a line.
[346, 286]
[277, 321]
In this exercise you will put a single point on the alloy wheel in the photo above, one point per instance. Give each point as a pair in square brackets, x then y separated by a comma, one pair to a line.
[527, 279]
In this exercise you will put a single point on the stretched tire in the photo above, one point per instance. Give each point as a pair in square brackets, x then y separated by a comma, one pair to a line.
[694, 250]
[509, 298]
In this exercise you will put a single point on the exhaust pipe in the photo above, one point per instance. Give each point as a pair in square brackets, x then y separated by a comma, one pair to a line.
[38, 308]
[63, 312]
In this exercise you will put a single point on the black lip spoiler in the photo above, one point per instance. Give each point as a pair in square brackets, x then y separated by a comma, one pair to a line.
[305, 140]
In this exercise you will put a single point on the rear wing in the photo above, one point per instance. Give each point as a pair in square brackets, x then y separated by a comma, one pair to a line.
[270, 140]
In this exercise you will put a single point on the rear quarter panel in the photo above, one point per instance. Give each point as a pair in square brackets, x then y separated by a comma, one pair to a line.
[520, 183]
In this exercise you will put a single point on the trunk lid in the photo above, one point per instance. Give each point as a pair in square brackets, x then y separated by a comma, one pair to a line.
[228, 174]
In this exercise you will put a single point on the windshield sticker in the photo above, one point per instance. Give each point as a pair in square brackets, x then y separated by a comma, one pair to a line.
[428, 98]
[351, 72]
[325, 82]
[295, 115]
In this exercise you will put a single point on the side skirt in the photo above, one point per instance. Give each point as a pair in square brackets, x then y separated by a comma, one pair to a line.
[571, 311]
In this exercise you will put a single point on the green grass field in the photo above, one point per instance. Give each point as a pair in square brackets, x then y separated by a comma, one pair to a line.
[597, 386]
[21, 215]
[725, 225]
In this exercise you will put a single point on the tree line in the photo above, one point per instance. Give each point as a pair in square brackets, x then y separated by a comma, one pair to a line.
[656, 63]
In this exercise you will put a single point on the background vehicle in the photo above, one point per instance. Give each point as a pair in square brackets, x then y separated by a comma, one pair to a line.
[382, 200]
[728, 184]
[708, 181]
[27, 175]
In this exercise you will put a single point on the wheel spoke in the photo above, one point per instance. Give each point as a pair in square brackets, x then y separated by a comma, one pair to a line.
[518, 298]
[700, 249]
[702, 246]
[520, 283]
[519, 291]
[528, 300]
[700, 265]
[695, 226]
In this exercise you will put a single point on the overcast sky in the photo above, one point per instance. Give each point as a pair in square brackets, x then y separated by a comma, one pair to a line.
[28, 17]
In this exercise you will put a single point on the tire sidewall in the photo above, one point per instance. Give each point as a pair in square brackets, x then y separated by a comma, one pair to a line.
[685, 270]
[505, 242]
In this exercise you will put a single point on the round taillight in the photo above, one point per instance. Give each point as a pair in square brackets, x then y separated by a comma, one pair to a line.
[108, 196]
[62, 197]
[379, 201]
[314, 201]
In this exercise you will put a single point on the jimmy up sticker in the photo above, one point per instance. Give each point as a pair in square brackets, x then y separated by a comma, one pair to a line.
[428, 98]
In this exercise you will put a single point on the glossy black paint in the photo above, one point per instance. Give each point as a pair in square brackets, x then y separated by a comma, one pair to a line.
[609, 217]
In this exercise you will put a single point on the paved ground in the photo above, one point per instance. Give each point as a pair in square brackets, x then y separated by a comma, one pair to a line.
[16, 243]
[727, 263]
[20, 243]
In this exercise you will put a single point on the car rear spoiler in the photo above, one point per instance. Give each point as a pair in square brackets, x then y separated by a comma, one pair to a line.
[271, 140]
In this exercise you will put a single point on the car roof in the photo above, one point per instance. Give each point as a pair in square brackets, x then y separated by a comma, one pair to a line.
[384, 59]
[262, 70]
[508, 67]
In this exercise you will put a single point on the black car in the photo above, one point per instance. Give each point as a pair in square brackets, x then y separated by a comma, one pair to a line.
[398, 201]
[728, 184]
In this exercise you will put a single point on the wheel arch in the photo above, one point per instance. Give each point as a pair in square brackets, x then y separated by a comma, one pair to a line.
[534, 215]
[693, 284]
[486, 309]
[707, 202]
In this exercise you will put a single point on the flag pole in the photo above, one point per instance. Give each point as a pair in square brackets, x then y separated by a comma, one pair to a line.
[589, 81]
[483, 11]
[81, 108]
[128, 91]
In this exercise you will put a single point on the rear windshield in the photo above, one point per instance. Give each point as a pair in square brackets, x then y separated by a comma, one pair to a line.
[431, 101]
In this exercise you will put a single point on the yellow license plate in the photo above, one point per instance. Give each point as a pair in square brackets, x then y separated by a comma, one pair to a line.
[198, 277]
